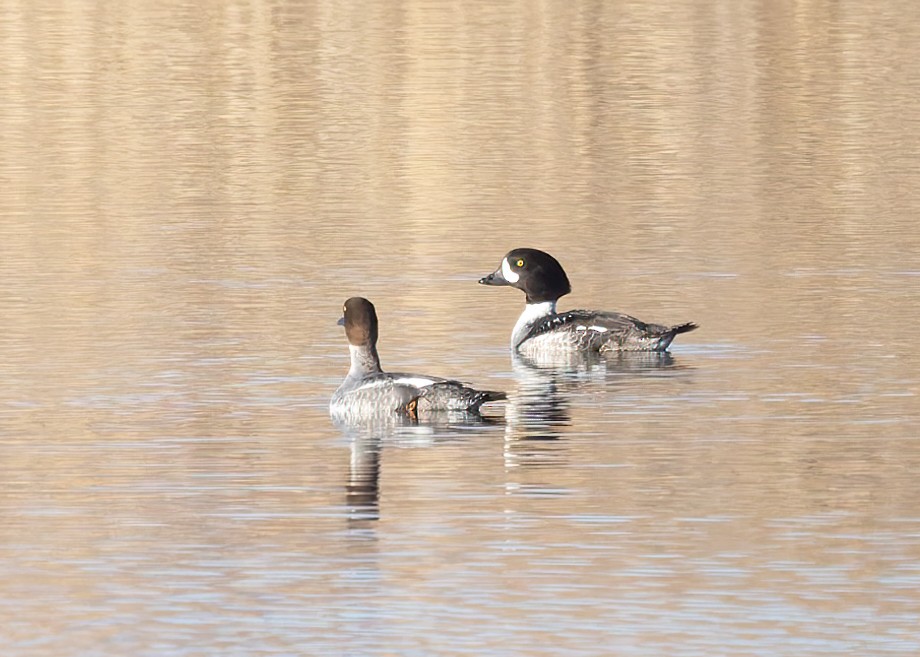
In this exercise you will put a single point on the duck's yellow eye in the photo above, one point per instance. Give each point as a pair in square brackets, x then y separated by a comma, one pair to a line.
[520, 263]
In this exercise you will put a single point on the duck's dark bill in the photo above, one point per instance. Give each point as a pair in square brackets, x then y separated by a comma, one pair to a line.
[495, 278]
[341, 321]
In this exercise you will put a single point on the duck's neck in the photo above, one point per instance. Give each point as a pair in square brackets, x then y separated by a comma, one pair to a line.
[532, 313]
[364, 360]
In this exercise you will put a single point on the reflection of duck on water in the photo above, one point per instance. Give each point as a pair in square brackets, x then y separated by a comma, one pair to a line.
[368, 436]
[362, 489]
[540, 409]
[534, 416]
[362, 493]
[576, 365]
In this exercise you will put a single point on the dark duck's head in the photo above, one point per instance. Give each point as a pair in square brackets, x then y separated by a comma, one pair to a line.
[537, 273]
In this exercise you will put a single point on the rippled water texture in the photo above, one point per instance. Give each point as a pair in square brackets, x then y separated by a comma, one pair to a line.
[189, 191]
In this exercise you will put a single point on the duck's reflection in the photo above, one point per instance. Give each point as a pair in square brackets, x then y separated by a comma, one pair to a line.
[362, 492]
[596, 366]
[539, 411]
[367, 438]
[535, 417]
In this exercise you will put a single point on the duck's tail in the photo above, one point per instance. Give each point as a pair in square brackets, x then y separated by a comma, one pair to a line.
[684, 328]
[665, 338]
[481, 397]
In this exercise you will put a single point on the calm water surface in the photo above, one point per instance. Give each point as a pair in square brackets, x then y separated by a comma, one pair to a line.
[190, 190]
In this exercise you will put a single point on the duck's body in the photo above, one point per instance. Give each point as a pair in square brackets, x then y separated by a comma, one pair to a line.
[368, 390]
[541, 330]
[406, 393]
[589, 331]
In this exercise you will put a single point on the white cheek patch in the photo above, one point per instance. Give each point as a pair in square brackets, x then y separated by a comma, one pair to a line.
[507, 273]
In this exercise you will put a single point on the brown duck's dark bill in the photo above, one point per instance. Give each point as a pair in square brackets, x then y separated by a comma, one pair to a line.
[495, 278]
[341, 321]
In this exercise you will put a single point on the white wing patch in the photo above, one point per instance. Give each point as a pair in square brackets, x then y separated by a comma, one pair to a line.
[507, 273]
[581, 328]
[414, 381]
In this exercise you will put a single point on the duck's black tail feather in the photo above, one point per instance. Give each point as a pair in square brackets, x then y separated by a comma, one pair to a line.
[666, 336]
[481, 397]
[684, 328]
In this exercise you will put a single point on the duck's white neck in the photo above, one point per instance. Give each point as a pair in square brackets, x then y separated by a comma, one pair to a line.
[532, 313]
[364, 360]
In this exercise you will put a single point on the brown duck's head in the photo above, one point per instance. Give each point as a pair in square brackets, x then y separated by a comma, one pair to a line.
[360, 322]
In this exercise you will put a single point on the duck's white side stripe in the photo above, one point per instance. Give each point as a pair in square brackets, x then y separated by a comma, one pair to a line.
[415, 381]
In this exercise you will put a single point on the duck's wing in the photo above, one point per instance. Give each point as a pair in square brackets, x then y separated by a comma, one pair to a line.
[438, 394]
[606, 331]
[411, 393]
[585, 330]
[388, 392]
[455, 396]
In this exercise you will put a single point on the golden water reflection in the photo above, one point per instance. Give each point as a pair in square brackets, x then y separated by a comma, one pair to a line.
[188, 192]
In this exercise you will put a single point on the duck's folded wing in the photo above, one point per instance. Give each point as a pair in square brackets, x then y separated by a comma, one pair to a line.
[438, 394]
[454, 396]
[590, 324]
[390, 392]
[591, 329]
